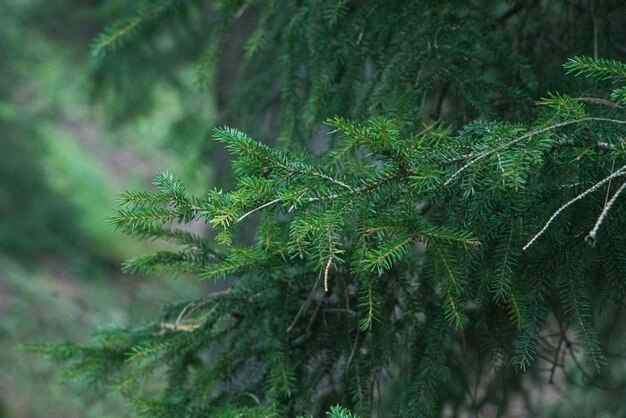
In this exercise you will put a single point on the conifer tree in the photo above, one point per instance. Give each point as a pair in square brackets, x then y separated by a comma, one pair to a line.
[428, 233]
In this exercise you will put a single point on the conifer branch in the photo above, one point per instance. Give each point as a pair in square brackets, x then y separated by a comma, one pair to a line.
[118, 34]
[528, 135]
[597, 68]
[365, 188]
[364, 205]
[370, 304]
[333, 196]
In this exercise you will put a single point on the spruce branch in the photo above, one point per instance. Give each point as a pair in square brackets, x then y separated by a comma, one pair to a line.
[577, 305]
[597, 68]
[352, 191]
[477, 157]
[120, 33]
[365, 188]
[375, 200]
[241, 144]
[370, 300]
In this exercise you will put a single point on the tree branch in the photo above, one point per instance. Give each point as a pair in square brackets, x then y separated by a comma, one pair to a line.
[481, 155]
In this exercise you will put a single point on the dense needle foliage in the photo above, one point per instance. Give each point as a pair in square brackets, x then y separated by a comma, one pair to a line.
[423, 228]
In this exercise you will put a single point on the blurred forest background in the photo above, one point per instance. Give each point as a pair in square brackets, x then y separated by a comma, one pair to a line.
[68, 145]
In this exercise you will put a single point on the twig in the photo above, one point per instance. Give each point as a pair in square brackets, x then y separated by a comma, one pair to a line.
[441, 95]
[179, 327]
[599, 101]
[365, 188]
[354, 346]
[593, 188]
[182, 313]
[304, 306]
[608, 187]
[332, 180]
[264, 205]
[555, 362]
[310, 324]
[320, 198]
[591, 238]
[326, 270]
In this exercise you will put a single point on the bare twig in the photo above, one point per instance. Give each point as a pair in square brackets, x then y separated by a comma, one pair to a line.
[332, 180]
[555, 362]
[304, 306]
[608, 187]
[441, 95]
[326, 270]
[620, 172]
[179, 327]
[599, 101]
[591, 238]
[354, 347]
[264, 205]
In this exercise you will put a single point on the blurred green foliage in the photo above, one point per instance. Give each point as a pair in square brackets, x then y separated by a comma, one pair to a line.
[24, 188]
[61, 164]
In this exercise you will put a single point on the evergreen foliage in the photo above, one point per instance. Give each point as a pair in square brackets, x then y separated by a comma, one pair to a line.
[447, 228]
